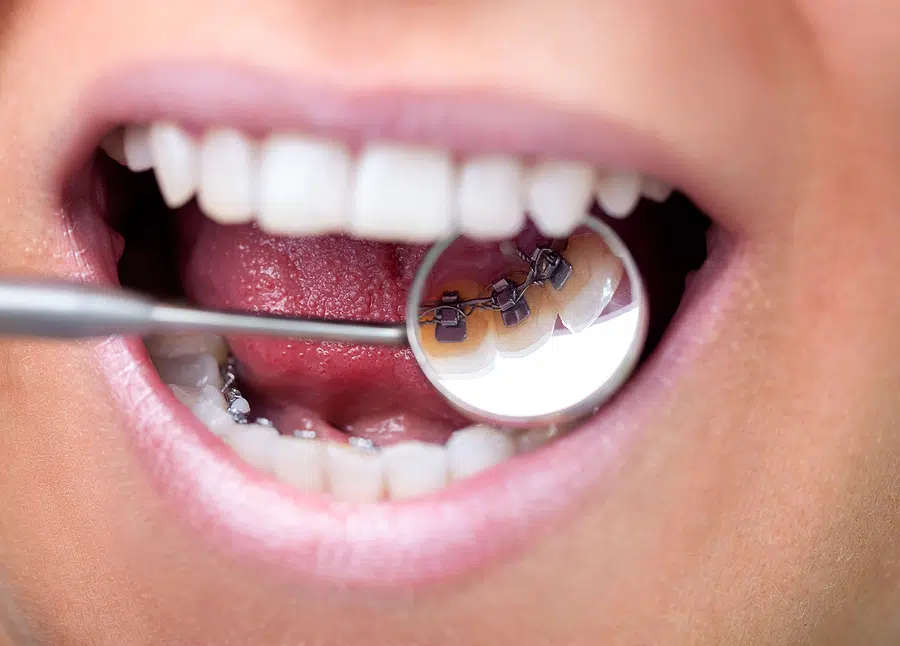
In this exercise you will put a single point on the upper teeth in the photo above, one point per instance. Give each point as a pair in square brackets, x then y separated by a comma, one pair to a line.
[293, 184]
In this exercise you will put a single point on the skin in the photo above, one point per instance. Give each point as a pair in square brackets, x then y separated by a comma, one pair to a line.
[760, 508]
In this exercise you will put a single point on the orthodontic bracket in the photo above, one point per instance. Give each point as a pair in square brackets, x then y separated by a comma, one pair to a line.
[546, 265]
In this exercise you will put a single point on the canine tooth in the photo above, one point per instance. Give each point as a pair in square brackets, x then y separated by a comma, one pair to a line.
[254, 443]
[619, 193]
[175, 162]
[655, 190]
[210, 408]
[303, 185]
[414, 469]
[559, 194]
[354, 475]
[474, 355]
[136, 144]
[113, 144]
[403, 193]
[476, 448]
[227, 166]
[595, 277]
[300, 463]
[195, 371]
[491, 197]
[168, 346]
[529, 335]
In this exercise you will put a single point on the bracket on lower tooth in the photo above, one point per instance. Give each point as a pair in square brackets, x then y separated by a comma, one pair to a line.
[451, 322]
[508, 299]
[550, 266]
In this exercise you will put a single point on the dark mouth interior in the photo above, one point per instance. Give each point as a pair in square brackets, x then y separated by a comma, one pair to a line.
[668, 241]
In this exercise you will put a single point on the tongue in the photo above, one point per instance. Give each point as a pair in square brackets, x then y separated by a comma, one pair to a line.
[376, 393]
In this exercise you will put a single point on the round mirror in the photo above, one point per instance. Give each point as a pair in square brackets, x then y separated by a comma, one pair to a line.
[530, 331]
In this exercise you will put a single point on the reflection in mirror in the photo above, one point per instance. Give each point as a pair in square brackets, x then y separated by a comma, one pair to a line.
[531, 327]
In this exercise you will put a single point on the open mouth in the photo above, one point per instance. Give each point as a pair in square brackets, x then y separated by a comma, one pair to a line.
[333, 458]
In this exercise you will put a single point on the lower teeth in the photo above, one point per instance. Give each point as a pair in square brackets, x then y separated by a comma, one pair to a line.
[200, 372]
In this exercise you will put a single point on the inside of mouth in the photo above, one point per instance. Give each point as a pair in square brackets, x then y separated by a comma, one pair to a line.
[359, 423]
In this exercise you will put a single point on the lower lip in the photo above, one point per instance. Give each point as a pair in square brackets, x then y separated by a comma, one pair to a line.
[455, 532]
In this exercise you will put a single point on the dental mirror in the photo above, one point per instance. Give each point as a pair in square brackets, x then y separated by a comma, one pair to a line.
[530, 331]
[524, 332]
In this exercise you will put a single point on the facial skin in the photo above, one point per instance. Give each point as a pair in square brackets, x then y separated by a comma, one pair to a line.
[761, 505]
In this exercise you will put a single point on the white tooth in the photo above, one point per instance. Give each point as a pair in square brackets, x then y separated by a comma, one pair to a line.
[619, 193]
[175, 162]
[303, 185]
[354, 475]
[186, 395]
[655, 190]
[194, 371]
[403, 193]
[476, 448]
[228, 163]
[255, 444]
[300, 463]
[113, 144]
[531, 440]
[414, 469]
[491, 197]
[531, 334]
[211, 409]
[138, 156]
[559, 195]
[168, 346]
[596, 275]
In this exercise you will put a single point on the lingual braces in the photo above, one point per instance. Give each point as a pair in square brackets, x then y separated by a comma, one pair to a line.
[546, 265]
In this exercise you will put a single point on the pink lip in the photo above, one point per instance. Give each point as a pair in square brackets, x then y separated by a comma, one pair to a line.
[452, 533]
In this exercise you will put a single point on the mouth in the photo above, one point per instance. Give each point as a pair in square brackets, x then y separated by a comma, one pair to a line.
[336, 461]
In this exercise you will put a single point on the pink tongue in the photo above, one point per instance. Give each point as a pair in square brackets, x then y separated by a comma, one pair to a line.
[373, 392]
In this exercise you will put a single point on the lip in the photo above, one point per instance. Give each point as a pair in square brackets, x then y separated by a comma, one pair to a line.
[465, 527]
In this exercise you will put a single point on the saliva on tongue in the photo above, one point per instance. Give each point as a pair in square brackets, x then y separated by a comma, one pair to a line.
[335, 389]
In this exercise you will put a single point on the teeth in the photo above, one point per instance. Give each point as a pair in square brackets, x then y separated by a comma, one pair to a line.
[300, 463]
[190, 371]
[655, 190]
[176, 162]
[414, 469]
[536, 438]
[354, 475]
[136, 145]
[303, 185]
[211, 409]
[403, 193]
[490, 199]
[227, 162]
[474, 355]
[477, 448]
[294, 184]
[619, 193]
[529, 335]
[559, 194]
[595, 278]
[168, 346]
[255, 444]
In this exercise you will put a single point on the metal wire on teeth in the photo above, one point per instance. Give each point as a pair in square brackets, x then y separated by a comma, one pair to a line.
[239, 407]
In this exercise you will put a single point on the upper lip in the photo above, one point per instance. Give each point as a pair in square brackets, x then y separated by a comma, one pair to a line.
[398, 543]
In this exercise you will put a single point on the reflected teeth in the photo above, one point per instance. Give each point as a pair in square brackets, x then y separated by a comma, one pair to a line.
[473, 356]
[349, 473]
[595, 277]
[532, 333]
[294, 184]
